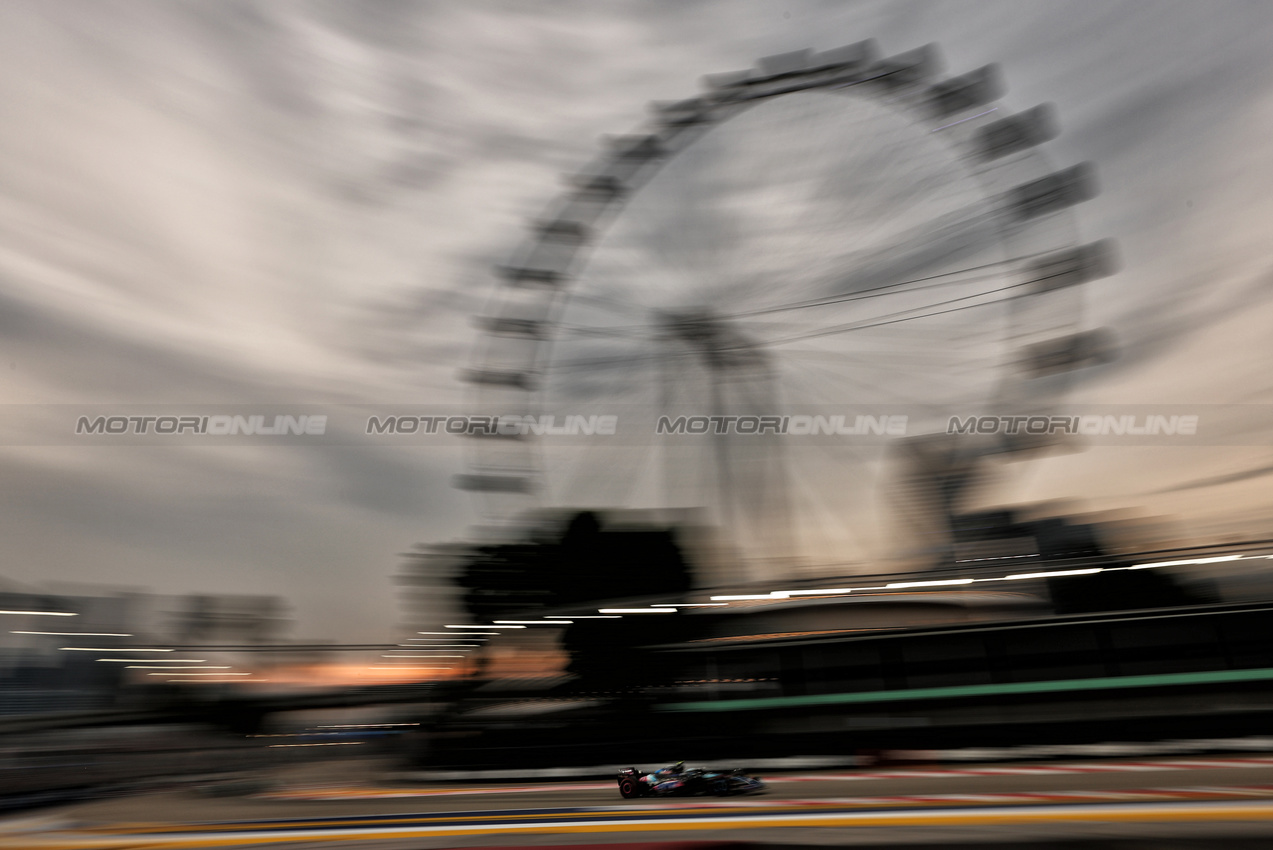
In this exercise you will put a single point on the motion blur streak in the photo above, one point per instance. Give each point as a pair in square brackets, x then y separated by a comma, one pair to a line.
[690, 820]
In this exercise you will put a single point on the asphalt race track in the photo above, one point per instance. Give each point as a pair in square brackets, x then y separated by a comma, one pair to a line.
[1141, 804]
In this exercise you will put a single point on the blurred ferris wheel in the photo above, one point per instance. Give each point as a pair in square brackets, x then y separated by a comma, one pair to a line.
[831, 239]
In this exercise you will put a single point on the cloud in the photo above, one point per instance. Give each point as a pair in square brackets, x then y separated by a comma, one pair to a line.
[251, 202]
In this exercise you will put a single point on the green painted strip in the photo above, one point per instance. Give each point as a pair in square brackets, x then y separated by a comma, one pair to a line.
[1105, 683]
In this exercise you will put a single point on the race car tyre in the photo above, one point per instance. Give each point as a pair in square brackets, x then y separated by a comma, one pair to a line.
[629, 789]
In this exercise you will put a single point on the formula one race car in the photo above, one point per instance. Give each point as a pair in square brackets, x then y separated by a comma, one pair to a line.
[679, 781]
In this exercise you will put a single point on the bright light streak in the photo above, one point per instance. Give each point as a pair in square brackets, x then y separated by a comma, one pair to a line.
[744, 597]
[690, 605]
[143, 660]
[109, 649]
[826, 591]
[533, 622]
[326, 744]
[1185, 563]
[453, 635]
[1051, 574]
[72, 634]
[559, 618]
[636, 610]
[198, 674]
[173, 667]
[450, 636]
[41, 613]
[443, 646]
[481, 627]
[421, 655]
[900, 584]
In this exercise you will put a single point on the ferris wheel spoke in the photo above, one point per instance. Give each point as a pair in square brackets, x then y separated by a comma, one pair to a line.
[867, 284]
[905, 315]
[934, 243]
[986, 271]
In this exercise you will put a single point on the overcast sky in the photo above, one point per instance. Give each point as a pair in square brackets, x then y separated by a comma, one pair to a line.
[284, 202]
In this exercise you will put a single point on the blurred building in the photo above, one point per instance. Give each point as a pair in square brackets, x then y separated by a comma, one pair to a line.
[52, 645]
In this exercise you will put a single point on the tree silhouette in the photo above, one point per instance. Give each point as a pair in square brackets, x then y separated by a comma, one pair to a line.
[583, 564]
